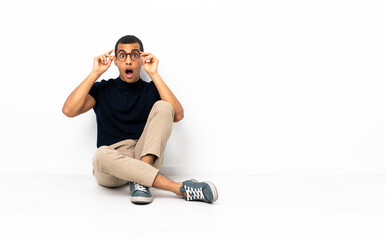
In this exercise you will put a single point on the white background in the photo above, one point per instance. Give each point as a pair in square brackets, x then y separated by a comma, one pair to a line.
[267, 86]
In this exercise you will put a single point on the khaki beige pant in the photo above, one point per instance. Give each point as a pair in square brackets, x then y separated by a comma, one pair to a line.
[119, 163]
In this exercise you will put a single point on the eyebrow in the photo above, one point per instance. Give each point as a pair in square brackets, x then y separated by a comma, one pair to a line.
[128, 52]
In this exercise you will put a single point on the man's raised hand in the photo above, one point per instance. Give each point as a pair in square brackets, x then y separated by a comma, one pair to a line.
[150, 62]
[103, 62]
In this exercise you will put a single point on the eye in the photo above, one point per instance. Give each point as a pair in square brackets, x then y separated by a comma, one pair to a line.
[122, 55]
[135, 54]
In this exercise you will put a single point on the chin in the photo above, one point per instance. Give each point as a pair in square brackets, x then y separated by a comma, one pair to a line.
[130, 80]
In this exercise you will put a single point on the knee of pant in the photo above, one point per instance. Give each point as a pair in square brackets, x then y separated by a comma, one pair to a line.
[107, 180]
[164, 107]
[100, 154]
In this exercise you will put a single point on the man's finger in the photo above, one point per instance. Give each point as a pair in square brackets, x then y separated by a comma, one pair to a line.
[103, 59]
[107, 58]
[147, 60]
[109, 63]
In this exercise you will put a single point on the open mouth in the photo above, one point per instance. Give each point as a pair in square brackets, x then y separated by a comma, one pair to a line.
[129, 73]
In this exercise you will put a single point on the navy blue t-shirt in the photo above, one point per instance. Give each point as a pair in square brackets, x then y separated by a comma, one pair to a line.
[122, 108]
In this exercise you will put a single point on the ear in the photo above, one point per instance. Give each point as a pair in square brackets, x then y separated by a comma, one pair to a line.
[116, 64]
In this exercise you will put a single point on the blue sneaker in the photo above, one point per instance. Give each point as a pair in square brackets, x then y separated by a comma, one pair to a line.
[140, 194]
[199, 191]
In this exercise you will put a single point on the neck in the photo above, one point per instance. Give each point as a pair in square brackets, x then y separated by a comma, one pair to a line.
[129, 80]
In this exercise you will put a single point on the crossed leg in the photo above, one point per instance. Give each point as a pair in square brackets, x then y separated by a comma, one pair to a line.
[118, 164]
[112, 173]
[138, 161]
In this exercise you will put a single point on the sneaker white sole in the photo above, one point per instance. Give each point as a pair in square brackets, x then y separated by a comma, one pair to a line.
[141, 199]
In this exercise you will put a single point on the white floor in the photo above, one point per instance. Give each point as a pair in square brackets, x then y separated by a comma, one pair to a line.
[249, 207]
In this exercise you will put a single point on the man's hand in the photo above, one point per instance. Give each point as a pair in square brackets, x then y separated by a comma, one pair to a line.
[150, 62]
[103, 62]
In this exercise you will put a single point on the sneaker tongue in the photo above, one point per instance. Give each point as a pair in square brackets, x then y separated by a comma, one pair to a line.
[140, 188]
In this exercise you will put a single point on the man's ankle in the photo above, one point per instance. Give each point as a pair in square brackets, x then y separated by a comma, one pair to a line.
[177, 189]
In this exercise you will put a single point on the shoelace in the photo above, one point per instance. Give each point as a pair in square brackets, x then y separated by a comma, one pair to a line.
[194, 193]
[140, 187]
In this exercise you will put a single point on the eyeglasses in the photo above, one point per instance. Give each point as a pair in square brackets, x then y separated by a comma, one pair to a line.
[134, 55]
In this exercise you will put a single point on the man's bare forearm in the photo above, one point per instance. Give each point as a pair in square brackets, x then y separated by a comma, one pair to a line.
[76, 100]
[167, 95]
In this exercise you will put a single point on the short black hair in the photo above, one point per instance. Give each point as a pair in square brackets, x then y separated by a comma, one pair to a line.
[129, 39]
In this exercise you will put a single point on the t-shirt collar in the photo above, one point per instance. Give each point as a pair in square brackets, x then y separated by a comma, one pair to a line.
[125, 85]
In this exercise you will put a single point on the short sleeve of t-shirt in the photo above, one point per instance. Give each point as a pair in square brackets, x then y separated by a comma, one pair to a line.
[95, 90]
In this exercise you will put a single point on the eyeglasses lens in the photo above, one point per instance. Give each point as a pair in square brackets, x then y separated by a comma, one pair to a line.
[122, 56]
[135, 55]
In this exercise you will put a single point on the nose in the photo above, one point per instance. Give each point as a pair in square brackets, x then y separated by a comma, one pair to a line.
[128, 60]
